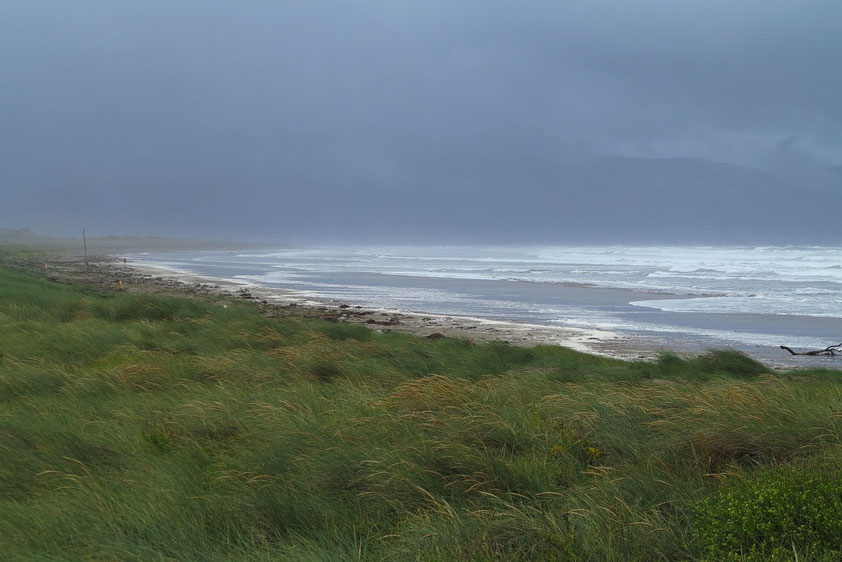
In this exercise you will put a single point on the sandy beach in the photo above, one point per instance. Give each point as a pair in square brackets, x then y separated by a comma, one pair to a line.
[109, 271]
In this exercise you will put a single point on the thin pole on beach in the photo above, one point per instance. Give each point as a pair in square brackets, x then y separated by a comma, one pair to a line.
[85, 244]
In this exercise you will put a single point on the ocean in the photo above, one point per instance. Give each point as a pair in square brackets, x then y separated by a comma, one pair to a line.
[691, 296]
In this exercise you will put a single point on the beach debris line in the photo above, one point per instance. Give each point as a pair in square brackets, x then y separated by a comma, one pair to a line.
[831, 350]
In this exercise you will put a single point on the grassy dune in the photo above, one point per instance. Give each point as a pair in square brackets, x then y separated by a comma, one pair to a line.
[148, 427]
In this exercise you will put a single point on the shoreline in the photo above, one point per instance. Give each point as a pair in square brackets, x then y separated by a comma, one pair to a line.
[107, 270]
[594, 341]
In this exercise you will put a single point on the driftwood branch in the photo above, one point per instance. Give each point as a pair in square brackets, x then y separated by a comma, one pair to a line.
[831, 350]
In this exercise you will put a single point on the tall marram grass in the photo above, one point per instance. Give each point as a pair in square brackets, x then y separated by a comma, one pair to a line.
[146, 427]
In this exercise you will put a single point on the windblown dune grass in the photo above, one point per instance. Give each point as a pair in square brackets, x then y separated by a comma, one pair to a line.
[148, 427]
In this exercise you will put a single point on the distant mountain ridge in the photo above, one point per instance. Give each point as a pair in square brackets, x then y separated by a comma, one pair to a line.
[617, 199]
[25, 237]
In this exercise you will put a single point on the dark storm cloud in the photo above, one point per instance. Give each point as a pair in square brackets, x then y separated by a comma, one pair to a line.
[333, 119]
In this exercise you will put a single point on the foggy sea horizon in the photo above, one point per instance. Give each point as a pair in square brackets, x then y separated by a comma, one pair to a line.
[691, 297]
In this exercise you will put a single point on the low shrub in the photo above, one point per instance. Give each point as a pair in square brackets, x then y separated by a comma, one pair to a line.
[781, 509]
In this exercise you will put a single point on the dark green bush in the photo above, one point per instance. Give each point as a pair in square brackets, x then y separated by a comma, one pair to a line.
[341, 332]
[716, 362]
[732, 363]
[147, 307]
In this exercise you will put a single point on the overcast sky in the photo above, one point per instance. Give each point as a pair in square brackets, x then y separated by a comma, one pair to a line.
[325, 119]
